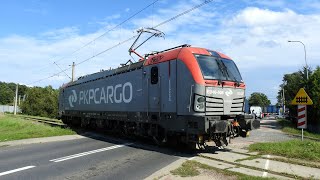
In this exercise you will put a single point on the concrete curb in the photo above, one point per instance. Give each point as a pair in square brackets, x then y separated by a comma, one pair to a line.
[166, 170]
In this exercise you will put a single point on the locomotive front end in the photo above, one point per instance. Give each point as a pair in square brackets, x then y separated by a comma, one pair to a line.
[219, 97]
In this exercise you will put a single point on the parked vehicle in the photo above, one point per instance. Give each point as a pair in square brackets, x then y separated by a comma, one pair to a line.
[257, 111]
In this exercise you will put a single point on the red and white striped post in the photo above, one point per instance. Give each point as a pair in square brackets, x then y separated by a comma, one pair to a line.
[302, 100]
[302, 118]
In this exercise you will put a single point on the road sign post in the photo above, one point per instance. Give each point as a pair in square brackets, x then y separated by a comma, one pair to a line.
[302, 118]
[302, 100]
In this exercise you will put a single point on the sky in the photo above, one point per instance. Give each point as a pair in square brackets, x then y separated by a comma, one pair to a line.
[34, 35]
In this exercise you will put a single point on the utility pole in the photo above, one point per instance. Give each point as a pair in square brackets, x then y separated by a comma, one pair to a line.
[73, 65]
[16, 100]
[284, 101]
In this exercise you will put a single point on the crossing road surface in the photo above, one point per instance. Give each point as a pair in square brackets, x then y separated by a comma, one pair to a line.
[86, 158]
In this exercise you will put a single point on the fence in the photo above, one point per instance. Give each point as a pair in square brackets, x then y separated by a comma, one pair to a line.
[7, 108]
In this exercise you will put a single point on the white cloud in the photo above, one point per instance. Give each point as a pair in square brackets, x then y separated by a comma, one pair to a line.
[263, 36]
[271, 3]
[255, 37]
[61, 33]
[253, 16]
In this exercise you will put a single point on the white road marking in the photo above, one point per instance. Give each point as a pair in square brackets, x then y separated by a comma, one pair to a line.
[266, 167]
[191, 158]
[88, 152]
[16, 170]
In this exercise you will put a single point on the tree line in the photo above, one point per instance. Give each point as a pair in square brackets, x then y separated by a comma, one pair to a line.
[39, 101]
[8, 91]
[291, 85]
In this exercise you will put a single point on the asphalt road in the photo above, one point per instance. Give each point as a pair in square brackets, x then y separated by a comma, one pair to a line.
[88, 158]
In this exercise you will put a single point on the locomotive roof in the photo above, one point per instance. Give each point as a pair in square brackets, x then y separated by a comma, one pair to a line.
[154, 58]
[175, 53]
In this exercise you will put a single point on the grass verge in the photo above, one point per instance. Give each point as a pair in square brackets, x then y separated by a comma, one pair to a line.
[190, 169]
[305, 150]
[15, 128]
[288, 127]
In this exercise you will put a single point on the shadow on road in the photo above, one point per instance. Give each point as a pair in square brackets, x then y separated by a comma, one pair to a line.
[138, 143]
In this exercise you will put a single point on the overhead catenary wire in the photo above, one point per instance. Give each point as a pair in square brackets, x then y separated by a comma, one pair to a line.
[183, 13]
[62, 70]
[160, 24]
[101, 52]
[131, 38]
[104, 33]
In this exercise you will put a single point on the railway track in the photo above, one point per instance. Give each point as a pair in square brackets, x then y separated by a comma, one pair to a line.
[46, 121]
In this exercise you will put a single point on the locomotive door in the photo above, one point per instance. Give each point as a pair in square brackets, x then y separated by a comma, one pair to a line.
[154, 86]
[161, 88]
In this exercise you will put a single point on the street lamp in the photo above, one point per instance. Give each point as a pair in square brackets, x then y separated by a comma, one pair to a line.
[305, 55]
[305, 59]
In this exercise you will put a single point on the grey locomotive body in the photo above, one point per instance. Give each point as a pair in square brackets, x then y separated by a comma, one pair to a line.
[187, 94]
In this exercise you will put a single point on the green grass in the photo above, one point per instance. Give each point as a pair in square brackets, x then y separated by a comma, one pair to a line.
[187, 169]
[305, 150]
[288, 127]
[15, 128]
[190, 169]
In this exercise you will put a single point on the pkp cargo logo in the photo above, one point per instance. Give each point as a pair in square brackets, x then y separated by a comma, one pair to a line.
[73, 98]
[229, 92]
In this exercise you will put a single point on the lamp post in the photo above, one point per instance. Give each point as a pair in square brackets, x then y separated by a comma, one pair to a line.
[305, 59]
[305, 56]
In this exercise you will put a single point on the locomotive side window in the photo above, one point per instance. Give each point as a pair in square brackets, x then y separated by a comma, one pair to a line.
[154, 75]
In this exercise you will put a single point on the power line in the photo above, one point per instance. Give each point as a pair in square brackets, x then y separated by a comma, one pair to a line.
[62, 70]
[120, 43]
[115, 27]
[131, 38]
[109, 30]
[183, 13]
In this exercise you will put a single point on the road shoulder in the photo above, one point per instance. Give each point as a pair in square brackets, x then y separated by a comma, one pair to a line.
[40, 140]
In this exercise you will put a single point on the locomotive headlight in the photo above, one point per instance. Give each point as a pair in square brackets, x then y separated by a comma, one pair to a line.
[199, 103]
[201, 99]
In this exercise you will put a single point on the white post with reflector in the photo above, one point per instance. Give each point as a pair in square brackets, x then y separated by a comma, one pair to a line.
[302, 118]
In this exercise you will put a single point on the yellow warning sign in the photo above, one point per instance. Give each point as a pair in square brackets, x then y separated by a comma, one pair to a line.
[302, 98]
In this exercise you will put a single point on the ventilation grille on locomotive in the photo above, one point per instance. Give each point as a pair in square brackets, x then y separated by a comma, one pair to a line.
[214, 106]
[237, 105]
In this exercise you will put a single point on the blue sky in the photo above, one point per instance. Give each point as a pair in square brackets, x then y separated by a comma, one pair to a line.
[35, 33]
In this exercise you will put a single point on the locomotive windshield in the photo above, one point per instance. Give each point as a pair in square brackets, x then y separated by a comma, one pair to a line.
[218, 68]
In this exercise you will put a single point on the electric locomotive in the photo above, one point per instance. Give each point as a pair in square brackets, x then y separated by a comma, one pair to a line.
[184, 94]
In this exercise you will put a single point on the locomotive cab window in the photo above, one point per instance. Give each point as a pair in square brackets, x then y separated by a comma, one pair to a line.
[154, 75]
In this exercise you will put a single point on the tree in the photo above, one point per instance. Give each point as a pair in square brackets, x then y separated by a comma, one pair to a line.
[314, 93]
[7, 92]
[41, 102]
[259, 99]
[292, 83]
